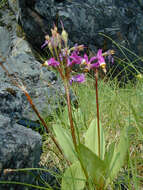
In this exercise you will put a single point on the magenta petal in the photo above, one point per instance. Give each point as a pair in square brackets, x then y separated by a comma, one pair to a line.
[76, 59]
[94, 65]
[92, 59]
[77, 78]
[99, 53]
[86, 58]
[69, 63]
[61, 57]
[45, 44]
[100, 58]
[111, 58]
[53, 62]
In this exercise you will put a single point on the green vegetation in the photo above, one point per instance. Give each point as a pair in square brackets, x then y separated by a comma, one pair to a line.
[97, 141]
[120, 107]
[104, 154]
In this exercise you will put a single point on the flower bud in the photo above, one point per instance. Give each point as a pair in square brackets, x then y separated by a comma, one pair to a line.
[139, 76]
[47, 37]
[112, 52]
[64, 36]
[54, 31]
[80, 47]
[50, 47]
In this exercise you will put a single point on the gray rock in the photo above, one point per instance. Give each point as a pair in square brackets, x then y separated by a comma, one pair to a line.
[11, 101]
[21, 62]
[141, 3]
[20, 147]
[4, 41]
[13, 5]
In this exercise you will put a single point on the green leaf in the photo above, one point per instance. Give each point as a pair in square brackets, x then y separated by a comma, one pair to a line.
[74, 178]
[109, 154]
[65, 141]
[118, 157]
[94, 166]
[108, 157]
[91, 138]
[63, 118]
[79, 119]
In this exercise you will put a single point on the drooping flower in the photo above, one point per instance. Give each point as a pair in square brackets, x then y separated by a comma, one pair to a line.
[77, 78]
[75, 58]
[110, 57]
[47, 38]
[100, 58]
[77, 48]
[89, 63]
[93, 62]
[51, 62]
[53, 41]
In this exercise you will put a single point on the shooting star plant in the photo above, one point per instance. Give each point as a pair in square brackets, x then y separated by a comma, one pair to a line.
[90, 166]
[89, 161]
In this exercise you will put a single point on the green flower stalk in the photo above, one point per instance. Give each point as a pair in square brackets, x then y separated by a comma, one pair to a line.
[62, 62]
[97, 106]
[63, 59]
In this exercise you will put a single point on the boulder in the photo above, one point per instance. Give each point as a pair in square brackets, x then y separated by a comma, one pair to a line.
[20, 147]
[85, 20]
[42, 84]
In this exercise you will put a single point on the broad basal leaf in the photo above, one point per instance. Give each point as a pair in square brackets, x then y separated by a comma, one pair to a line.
[74, 178]
[79, 119]
[108, 157]
[94, 166]
[65, 140]
[118, 158]
[91, 139]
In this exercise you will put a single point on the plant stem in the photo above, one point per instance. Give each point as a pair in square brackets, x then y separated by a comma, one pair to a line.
[66, 85]
[97, 105]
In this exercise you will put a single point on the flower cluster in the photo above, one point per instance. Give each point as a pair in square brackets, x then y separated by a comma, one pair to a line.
[64, 58]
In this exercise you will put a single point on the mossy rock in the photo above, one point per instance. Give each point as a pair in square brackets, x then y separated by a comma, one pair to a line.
[3, 3]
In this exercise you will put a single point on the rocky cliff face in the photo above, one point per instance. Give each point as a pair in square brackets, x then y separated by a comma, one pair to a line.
[20, 147]
[84, 20]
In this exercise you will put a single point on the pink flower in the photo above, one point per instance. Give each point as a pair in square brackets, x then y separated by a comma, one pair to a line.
[75, 58]
[93, 62]
[89, 63]
[51, 62]
[100, 58]
[77, 78]
[110, 57]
